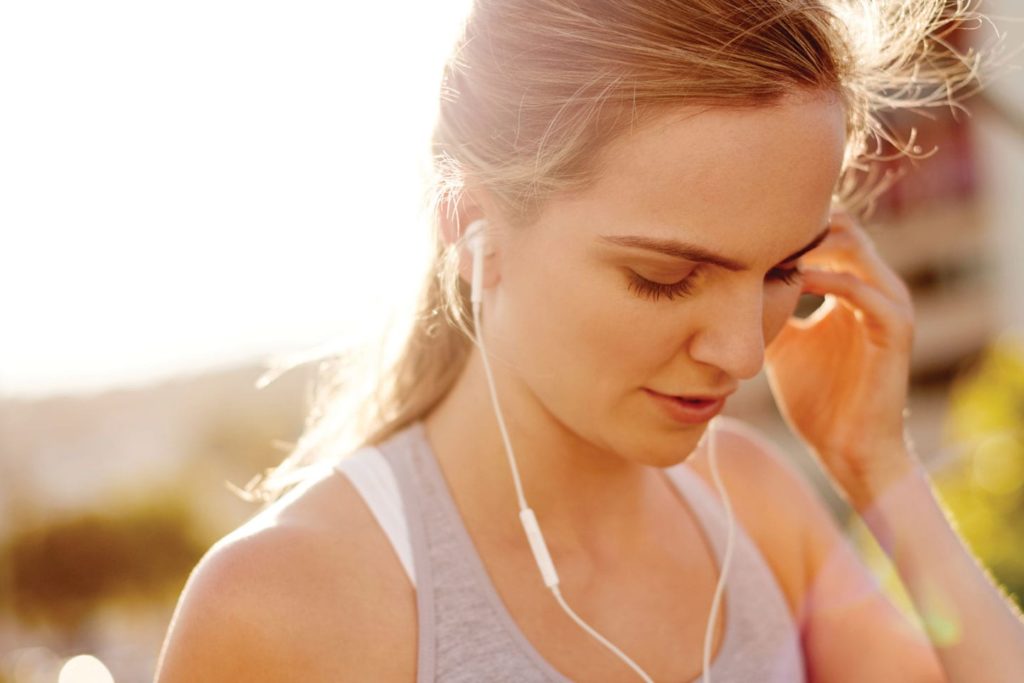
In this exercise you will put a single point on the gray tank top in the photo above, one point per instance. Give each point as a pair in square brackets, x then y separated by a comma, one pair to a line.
[466, 635]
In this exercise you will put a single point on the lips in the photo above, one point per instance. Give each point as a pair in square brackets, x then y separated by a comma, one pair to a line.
[694, 397]
[688, 409]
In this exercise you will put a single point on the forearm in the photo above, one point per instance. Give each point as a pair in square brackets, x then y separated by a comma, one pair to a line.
[977, 632]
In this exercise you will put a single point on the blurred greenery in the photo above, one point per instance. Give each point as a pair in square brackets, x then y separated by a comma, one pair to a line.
[60, 573]
[94, 578]
[982, 489]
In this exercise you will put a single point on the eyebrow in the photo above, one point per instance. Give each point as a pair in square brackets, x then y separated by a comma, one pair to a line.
[693, 252]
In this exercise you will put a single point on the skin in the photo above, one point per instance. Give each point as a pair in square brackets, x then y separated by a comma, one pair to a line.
[571, 361]
[294, 595]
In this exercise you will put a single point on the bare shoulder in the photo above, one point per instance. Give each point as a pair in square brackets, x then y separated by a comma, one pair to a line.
[850, 628]
[749, 459]
[753, 459]
[770, 497]
[309, 589]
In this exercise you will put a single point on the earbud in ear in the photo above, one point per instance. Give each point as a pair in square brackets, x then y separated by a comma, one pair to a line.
[475, 239]
[475, 235]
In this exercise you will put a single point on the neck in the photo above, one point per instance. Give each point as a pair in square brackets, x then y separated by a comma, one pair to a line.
[585, 497]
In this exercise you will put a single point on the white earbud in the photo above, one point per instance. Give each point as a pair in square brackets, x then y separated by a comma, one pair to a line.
[475, 238]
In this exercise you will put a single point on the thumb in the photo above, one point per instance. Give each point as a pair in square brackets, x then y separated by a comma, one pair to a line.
[786, 338]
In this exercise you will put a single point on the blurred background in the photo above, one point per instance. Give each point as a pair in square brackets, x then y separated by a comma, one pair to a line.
[189, 191]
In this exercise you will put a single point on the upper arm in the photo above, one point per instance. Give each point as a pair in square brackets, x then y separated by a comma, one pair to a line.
[256, 608]
[850, 630]
[300, 593]
[216, 633]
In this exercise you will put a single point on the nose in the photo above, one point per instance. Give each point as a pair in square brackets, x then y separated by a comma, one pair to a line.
[732, 335]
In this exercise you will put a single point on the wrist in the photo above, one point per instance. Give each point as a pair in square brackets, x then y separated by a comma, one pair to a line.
[888, 505]
[872, 471]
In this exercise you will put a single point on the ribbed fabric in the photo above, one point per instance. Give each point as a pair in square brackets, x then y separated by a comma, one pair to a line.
[467, 635]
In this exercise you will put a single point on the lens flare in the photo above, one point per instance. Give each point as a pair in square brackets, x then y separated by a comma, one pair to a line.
[85, 669]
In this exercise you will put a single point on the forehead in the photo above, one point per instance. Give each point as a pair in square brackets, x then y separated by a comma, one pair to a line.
[717, 176]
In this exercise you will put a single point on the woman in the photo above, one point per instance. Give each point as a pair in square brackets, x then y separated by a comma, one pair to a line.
[657, 182]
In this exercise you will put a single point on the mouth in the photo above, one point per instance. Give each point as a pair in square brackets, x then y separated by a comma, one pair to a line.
[689, 409]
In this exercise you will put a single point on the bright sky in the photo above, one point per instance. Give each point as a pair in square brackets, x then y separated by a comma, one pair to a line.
[200, 182]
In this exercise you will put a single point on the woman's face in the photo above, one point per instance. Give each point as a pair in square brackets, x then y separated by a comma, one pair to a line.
[579, 331]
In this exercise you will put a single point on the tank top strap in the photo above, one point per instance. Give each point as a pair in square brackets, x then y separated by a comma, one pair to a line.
[398, 451]
[374, 479]
[466, 632]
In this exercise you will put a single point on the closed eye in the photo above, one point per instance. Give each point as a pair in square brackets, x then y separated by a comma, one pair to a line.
[788, 276]
[656, 290]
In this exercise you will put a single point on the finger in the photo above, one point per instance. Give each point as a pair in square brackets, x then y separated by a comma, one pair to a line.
[888, 323]
[796, 328]
[849, 246]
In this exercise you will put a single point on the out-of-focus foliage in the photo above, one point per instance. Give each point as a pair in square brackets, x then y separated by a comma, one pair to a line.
[61, 573]
[989, 400]
[98, 573]
[982, 489]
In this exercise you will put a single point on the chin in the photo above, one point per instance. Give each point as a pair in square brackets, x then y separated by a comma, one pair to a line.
[667, 448]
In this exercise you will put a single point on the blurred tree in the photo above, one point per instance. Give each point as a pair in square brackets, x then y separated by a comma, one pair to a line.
[984, 491]
[61, 573]
[983, 488]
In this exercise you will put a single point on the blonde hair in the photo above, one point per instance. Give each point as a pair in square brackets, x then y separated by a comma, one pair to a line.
[534, 90]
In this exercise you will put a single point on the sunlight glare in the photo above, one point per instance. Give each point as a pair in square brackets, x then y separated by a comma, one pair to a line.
[85, 669]
[207, 182]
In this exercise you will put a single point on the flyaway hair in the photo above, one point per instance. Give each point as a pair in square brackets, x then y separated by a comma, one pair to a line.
[533, 92]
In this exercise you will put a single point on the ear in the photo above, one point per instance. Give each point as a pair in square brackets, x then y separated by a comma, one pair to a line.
[455, 219]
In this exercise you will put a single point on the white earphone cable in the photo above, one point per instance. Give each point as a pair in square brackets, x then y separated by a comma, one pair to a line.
[497, 410]
[530, 525]
[716, 601]
[530, 532]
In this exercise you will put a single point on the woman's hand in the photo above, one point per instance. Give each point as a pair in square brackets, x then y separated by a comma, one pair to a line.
[840, 377]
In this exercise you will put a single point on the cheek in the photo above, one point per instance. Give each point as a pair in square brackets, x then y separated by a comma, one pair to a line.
[569, 330]
[778, 308]
[600, 333]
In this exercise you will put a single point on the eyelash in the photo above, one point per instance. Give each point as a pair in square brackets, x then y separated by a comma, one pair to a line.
[656, 290]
